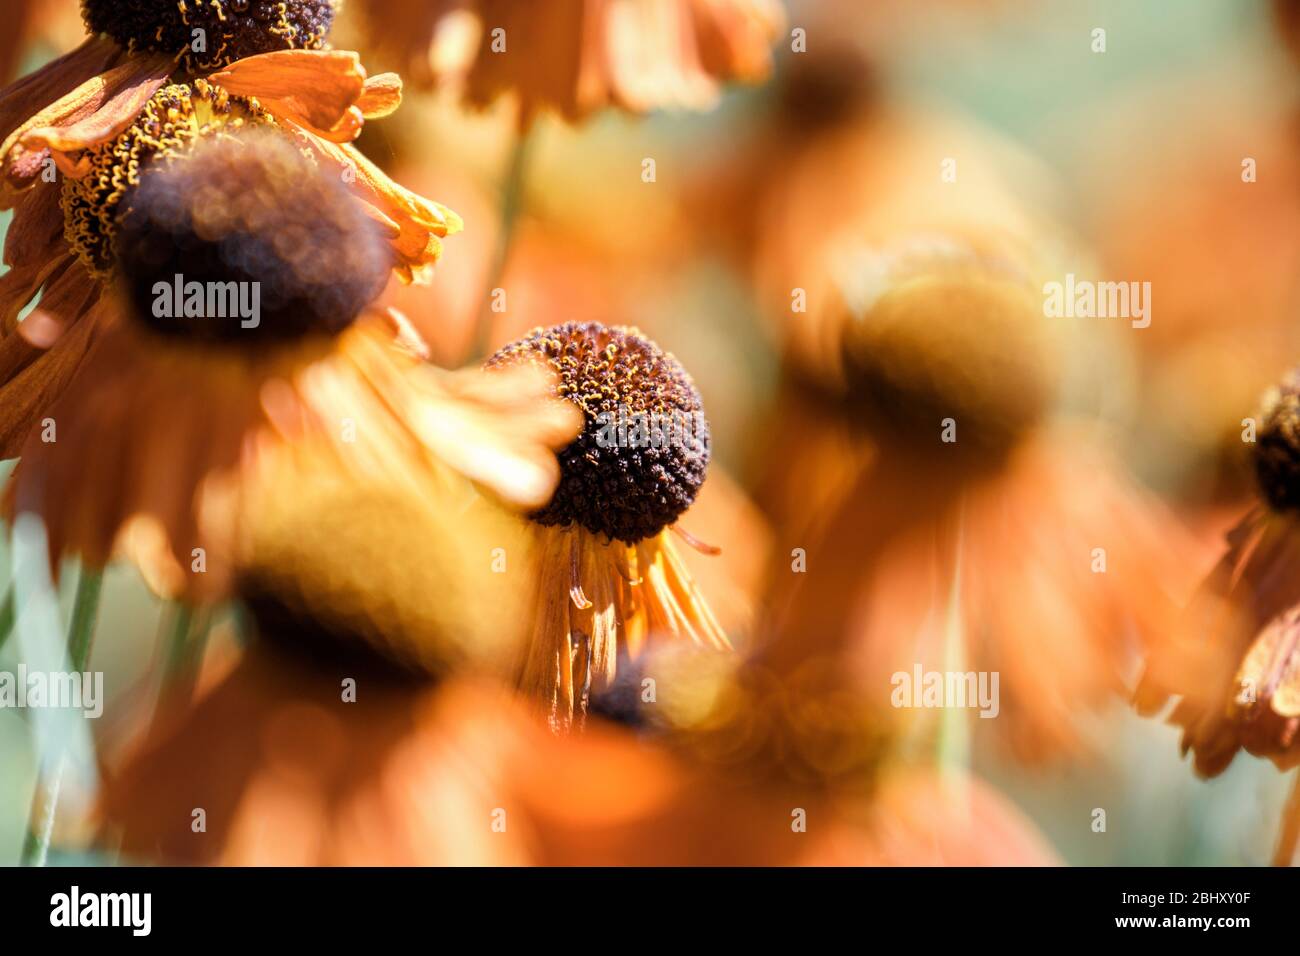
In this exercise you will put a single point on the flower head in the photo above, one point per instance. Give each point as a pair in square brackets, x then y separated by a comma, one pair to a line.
[229, 30]
[631, 486]
[1277, 446]
[609, 579]
[262, 221]
[179, 407]
[1235, 665]
[944, 340]
[170, 123]
[81, 136]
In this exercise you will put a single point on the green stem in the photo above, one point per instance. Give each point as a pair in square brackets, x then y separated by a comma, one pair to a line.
[85, 611]
[7, 616]
[81, 631]
[512, 203]
[36, 846]
[189, 639]
[177, 642]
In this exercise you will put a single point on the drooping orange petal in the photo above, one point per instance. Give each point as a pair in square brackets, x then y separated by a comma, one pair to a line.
[735, 37]
[382, 96]
[53, 81]
[318, 90]
[499, 430]
[405, 335]
[119, 111]
[420, 223]
[578, 56]
[146, 429]
[94, 112]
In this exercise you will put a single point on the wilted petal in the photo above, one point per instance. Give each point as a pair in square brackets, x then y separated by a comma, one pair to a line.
[54, 80]
[94, 112]
[419, 223]
[33, 379]
[501, 430]
[318, 90]
[382, 96]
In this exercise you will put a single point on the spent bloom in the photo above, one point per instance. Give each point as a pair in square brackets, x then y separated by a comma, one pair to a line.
[76, 136]
[1235, 664]
[610, 580]
[176, 409]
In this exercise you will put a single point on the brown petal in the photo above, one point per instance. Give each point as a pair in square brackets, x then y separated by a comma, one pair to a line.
[67, 295]
[20, 284]
[95, 111]
[34, 248]
[54, 80]
[119, 110]
[43, 375]
[36, 232]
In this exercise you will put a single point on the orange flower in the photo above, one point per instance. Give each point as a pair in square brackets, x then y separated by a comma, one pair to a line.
[579, 56]
[948, 375]
[398, 777]
[922, 450]
[176, 409]
[948, 395]
[459, 773]
[1223, 252]
[1235, 666]
[68, 117]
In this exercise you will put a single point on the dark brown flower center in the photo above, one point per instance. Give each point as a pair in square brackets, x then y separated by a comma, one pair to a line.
[209, 34]
[1277, 445]
[243, 240]
[644, 448]
[952, 360]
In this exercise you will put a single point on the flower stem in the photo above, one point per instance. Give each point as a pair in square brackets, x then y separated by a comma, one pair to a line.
[1290, 835]
[512, 202]
[36, 847]
[183, 657]
[85, 611]
[81, 631]
[178, 641]
[7, 616]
